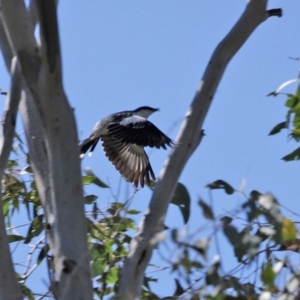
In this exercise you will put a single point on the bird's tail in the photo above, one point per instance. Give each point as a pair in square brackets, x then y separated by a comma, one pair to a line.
[87, 144]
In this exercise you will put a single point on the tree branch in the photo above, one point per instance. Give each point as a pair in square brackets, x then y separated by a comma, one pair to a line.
[33, 126]
[52, 136]
[187, 141]
[9, 287]
[19, 29]
[49, 34]
[17, 39]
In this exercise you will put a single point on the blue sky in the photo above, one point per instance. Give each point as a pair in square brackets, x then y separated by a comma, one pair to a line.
[119, 55]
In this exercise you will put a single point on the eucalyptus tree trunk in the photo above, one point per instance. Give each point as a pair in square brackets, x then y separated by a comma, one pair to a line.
[51, 135]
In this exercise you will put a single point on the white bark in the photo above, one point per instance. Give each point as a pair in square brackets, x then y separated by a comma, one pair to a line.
[52, 139]
[9, 287]
[187, 141]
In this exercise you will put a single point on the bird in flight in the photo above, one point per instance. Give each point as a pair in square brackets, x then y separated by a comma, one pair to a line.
[124, 136]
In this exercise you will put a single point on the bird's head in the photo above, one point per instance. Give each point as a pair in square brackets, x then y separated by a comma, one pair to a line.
[145, 111]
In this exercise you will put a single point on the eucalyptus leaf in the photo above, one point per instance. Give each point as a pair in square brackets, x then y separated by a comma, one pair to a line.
[179, 289]
[182, 199]
[89, 199]
[42, 254]
[92, 178]
[278, 128]
[35, 228]
[206, 210]
[221, 184]
[295, 155]
[15, 238]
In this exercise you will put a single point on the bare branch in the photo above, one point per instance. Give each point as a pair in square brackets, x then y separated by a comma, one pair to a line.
[28, 269]
[19, 29]
[33, 14]
[275, 12]
[9, 287]
[36, 140]
[49, 34]
[187, 141]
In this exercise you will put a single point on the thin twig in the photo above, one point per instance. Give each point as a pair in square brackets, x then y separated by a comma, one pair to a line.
[29, 256]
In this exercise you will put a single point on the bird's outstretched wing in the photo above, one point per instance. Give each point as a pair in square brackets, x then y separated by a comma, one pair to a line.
[139, 131]
[129, 159]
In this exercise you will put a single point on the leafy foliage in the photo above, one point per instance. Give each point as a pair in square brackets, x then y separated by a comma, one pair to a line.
[292, 119]
[256, 244]
[256, 231]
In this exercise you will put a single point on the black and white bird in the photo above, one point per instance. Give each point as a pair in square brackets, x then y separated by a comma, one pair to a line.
[124, 136]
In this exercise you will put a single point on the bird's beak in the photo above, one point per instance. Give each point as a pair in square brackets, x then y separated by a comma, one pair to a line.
[156, 109]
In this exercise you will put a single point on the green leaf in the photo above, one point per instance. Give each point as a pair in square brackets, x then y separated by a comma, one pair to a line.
[296, 121]
[268, 275]
[116, 208]
[226, 220]
[182, 199]
[92, 178]
[15, 238]
[97, 267]
[292, 101]
[147, 280]
[97, 251]
[112, 276]
[296, 108]
[288, 230]
[179, 289]
[89, 199]
[120, 223]
[27, 292]
[42, 254]
[232, 234]
[36, 227]
[278, 128]
[5, 207]
[86, 180]
[295, 155]
[151, 296]
[221, 184]
[11, 163]
[108, 246]
[197, 264]
[132, 212]
[206, 210]
[295, 134]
